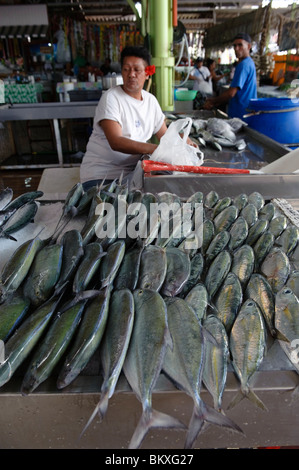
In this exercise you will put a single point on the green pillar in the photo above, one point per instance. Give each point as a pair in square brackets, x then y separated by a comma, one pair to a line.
[161, 36]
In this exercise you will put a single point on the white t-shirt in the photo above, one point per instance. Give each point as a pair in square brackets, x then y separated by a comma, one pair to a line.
[201, 84]
[139, 119]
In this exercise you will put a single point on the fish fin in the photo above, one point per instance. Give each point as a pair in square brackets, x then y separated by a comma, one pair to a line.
[281, 336]
[100, 410]
[9, 237]
[247, 393]
[152, 419]
[206, 414]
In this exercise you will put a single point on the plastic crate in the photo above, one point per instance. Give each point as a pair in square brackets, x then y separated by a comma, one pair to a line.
[85, 95]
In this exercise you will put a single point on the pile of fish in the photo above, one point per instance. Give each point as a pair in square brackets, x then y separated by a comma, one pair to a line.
[215, 132]
[16, 213]
[154, 304]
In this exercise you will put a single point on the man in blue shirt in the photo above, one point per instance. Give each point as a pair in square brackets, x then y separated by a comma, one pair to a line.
[243, 86]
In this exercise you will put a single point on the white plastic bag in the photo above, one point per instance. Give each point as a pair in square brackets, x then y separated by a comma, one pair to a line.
[174, 149]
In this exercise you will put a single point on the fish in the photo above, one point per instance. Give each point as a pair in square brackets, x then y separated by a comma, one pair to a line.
[196, 270]
[293, 281]
[5, 216]
[72, 253]
[218, 244]
[247, 345]
[72, 199]
[225, 219]
[288, 239]
[267, 212]
[216, 360]
[198, 299]
[262, 247]
[220, 205]
[153, 268]
[243, 260]
[277, 225]
[256, 230]
[229, 300]
[184, 362]
[177, 272]
[238, 232]
[128, 273]
[12, 313]
[112, 222]
[6, 196]
[114, 347]
[18, 265]
[286, 313]
[55, 342]
[111, 263]
[256, 199]
[87, 338]
[24, 199]
[25, 337]
[89, 228]
[250, 214]
[20, 218]
[259, 290]
[208, 232]
[240, 201]
[276, 268]
[144, 360]
[217, 272]
[88, 266]
[211, 199]
[43, 275]
[84, 203]
[221, 127]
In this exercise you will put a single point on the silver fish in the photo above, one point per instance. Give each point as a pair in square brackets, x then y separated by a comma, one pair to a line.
[198, 299]
[276, 268]
[177, 273]
[216, 360]
[114, 347]
[153, 268]
[243, 263]
[142, 370]
[217, 272]
[293, 282]
[238, 233]
[247, 346]
[259, 290]
[184, 363]
[229, 300]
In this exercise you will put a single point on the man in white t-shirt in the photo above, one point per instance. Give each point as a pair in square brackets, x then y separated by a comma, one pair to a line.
[126, 118]
[202, 78]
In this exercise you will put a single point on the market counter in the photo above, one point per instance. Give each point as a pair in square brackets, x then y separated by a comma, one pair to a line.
[52, 418]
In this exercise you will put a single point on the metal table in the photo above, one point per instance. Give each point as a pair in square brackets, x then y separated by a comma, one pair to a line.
[51, 418]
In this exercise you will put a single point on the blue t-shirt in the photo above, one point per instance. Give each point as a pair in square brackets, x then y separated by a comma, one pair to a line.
[245, 79]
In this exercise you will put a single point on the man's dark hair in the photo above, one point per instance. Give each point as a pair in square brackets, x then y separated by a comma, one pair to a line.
[135, 51]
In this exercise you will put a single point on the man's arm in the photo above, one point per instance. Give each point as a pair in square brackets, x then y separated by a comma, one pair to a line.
[221, 99]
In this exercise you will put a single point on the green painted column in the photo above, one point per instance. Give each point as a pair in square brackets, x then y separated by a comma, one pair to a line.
[161, 35]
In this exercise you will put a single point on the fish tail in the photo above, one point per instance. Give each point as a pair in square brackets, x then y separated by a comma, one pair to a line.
[152, 419]
[206, 414]
[247, 392]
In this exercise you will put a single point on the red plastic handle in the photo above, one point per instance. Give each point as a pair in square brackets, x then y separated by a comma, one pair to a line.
[150, 165]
